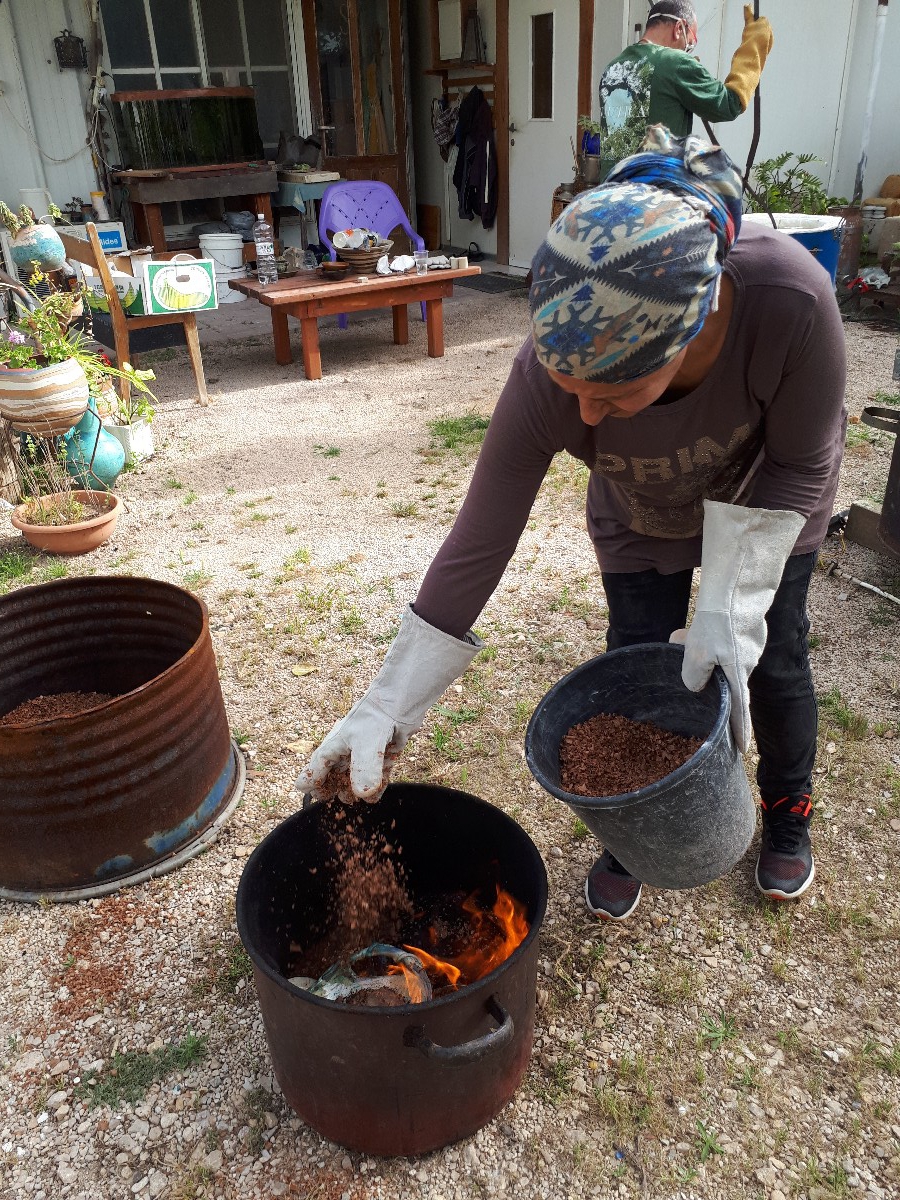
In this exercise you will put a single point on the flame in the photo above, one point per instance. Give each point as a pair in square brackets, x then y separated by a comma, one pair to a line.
[436, 966]
[494, 936]
[413, 984]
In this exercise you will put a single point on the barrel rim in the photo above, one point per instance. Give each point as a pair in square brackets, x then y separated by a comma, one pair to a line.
[84, 582]
[401, 1011]
[652, 790]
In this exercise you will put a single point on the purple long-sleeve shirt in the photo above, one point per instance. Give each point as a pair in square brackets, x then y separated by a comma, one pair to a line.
[765, 429]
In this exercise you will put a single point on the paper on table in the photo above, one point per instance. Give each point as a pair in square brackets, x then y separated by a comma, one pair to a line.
[382, 267]
[438, 262]
[402, 262]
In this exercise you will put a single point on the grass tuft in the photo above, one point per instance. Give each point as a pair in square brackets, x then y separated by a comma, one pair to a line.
[459, 433]
[15, 564]
[129, 1075]
[707, 1142]
[718, 1030]
[833, 705]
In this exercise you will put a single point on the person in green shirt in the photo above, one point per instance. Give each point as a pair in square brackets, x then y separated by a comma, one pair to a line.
[656, 81]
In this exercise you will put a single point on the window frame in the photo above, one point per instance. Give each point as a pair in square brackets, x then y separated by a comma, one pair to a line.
[156, 75]
[548, 12]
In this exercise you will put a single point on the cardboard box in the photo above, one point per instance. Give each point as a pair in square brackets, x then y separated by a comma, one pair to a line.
[182, 284]
[110, 233]
[128, 288]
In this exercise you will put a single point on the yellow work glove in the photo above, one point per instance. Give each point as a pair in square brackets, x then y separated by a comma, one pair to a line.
[750, 56]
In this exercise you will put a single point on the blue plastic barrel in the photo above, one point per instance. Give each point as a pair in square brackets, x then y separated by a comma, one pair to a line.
[820, 235]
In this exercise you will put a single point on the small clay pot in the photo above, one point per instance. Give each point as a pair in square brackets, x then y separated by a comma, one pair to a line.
[79, 537]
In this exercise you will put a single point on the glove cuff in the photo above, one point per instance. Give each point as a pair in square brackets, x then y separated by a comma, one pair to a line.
[421, 664]
[744, 548]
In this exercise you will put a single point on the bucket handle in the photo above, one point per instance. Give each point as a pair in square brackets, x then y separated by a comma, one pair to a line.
[465, 1052]
[882, 418]
[181, 275]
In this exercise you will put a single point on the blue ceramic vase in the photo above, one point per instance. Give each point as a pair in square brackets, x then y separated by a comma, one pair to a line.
[88, 441]
[590, 142]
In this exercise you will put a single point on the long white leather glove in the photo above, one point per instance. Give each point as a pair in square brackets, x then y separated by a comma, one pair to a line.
[743, 557]
[420, 665]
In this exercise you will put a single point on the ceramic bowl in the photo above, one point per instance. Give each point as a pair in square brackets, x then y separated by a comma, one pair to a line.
[334, 270]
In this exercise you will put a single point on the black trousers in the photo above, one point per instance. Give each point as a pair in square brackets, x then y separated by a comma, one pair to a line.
[645, 606]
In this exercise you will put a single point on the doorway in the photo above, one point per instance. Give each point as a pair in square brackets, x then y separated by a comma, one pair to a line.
[354, 57]
[543, 115]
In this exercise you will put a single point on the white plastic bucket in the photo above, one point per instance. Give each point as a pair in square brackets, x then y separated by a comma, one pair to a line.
[225, 249]
[224, 293]
[38, 200]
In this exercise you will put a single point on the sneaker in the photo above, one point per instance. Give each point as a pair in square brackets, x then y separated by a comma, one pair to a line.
[611, 893]
[785, 867]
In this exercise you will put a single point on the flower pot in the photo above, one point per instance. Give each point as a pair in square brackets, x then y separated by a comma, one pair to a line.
[45, 402]
[591, 168]
[38, 243]
[136, 439]
[79, 537]
[94, 458]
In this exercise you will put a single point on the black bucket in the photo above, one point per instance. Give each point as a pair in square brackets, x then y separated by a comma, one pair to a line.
[686, 829]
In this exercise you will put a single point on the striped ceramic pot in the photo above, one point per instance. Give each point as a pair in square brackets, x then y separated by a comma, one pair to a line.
[45, 402]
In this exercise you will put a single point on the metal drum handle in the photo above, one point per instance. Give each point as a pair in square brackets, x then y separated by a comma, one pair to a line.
[882, 418]
[466, 1052]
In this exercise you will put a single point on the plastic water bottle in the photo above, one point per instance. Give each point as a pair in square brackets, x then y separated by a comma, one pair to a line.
[266, 271]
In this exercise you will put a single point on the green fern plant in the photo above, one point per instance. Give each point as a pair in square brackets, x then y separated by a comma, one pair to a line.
[783, 184]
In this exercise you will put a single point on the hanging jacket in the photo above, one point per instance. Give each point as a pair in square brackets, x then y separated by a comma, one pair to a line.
[475, 173]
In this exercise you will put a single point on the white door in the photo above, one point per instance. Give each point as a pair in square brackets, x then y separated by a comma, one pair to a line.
[543, 115]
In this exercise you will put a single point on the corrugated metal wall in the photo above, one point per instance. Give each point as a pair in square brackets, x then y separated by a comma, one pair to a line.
[42, 108]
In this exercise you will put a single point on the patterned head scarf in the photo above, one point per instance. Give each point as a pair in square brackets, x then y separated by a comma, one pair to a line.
[628, 273]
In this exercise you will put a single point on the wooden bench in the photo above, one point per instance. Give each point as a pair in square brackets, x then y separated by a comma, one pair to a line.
[309, 297]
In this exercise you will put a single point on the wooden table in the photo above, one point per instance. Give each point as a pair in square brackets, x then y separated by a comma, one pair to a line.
[302, 197]
[148, 190]
[307, 299]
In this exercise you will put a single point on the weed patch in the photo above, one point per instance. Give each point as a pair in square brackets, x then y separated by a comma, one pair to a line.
[458, 433]
[129, 1075]
[14, 565]
[835, 708]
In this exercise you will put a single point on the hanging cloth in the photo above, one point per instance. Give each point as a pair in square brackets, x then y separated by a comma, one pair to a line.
[475, 172]
[444, 119]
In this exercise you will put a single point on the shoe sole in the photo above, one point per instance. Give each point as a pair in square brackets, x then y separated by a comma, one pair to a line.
[602, 914]
[778, 894]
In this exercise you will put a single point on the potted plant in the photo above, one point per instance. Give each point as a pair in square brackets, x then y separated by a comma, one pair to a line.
[54, 514]
[31, 240]
[591, 136]
[828, 227]
[48, 371]
[43, 386]
[784, 185]
[128, 418]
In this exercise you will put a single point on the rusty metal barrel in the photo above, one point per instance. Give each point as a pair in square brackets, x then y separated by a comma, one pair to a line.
[889, 524]
[128, 789]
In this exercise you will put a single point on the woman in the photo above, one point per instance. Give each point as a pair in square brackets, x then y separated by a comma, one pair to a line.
[700, 378]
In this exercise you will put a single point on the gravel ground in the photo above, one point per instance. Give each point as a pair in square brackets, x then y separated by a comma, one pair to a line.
[713, 1047]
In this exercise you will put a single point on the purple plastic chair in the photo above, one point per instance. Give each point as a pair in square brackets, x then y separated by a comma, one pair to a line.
[363, 204]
